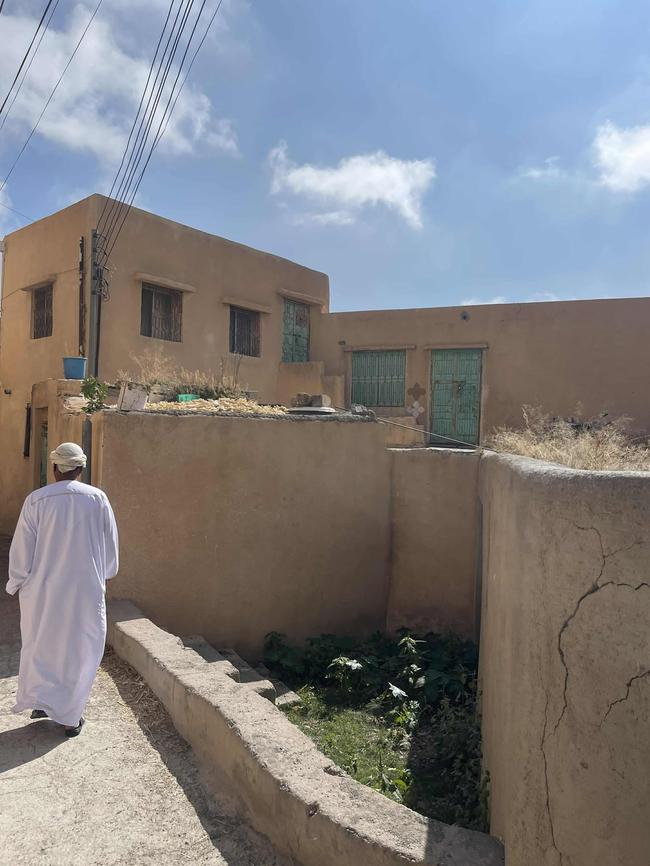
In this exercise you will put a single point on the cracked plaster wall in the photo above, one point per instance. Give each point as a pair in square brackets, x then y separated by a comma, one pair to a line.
[565, 662]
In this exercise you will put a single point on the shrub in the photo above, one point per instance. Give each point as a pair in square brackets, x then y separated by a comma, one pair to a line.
[597, 444]
[397, 713]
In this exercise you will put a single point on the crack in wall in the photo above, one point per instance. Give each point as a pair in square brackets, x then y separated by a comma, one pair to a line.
[622, 700]
[548, 795]
[595, 587]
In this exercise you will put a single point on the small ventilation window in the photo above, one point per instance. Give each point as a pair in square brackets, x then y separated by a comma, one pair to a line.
[42, 312]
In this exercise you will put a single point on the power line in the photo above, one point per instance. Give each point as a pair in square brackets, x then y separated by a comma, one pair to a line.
[135, 119]
[148, 114]
[162, 128]
[132, 190]
[24, 60]
[147, 120]
[13, 209]
[2, 6]
[50, 97]
[29, 65]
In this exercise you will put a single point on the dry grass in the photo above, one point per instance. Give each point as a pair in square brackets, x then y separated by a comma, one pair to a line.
[595, 445]
[221, 406]
[155, 368]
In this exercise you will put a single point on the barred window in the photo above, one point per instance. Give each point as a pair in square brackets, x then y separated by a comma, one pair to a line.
[378, 378]
[244, 332]
[42, 312]
[161, 314]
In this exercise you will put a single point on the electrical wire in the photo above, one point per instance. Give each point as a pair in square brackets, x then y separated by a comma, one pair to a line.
[114, 201]
[135, 119]
[189, 68]
[166, 119]
[148, 119]
[2, 6]
[29, 65]
[13, 209]
[371, 414]
[4, 298]
[133, 189]
[24, 60]
[51, 96]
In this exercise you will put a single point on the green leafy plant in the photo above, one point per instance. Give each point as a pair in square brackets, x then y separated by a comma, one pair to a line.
[397, 713]
[95, 393]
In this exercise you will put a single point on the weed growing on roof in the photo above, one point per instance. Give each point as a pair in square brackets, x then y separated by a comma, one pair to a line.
[154, 368]
[397, 713]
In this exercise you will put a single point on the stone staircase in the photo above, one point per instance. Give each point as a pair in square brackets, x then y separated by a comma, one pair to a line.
[228, 662]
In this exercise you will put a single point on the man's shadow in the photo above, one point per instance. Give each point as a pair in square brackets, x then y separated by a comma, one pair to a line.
[20, 746]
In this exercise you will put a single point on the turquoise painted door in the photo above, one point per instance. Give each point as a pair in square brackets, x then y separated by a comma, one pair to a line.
[295, 332]
[455, 395]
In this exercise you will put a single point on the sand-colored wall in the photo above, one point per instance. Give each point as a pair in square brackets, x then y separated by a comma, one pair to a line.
[565, 662]
[45, 251]
[209, 270]
[213, 270]
[434, 540]
[553, 355]
[48, 405]
[233, 527]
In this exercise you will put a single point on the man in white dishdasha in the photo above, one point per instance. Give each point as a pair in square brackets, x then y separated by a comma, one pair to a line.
[64, 550]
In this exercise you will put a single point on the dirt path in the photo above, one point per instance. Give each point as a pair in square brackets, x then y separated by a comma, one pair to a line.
[127, 791]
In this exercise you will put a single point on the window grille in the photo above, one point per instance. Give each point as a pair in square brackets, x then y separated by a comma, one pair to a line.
[378, 378]
[42, 312]
[161, 313]
[244, 332]
[295, 332]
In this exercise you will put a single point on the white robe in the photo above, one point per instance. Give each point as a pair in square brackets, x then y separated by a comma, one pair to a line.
[63, 551]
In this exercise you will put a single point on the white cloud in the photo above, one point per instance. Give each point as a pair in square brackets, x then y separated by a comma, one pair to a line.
[538, 297]
[94, 106]
[622, 155]
[356, 182]
[8, 219]
[474, 302]
[328, 218]
[549, 170]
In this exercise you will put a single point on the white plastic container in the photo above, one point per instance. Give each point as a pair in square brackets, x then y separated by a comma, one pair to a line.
[132, 397]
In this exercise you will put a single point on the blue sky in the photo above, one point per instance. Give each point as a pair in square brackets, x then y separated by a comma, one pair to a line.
[421, 153]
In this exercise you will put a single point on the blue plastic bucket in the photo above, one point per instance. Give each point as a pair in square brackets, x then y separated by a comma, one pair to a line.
[74, 368]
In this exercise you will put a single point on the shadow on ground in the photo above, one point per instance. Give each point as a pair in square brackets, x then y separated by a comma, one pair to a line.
[236, 841]
[20, 746]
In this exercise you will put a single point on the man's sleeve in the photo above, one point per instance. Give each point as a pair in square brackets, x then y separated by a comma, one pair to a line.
[21, 552]
[111, 542]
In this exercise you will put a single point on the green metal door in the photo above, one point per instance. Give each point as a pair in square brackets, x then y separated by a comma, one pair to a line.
[455, 395]
[295, 332]
[43, 457]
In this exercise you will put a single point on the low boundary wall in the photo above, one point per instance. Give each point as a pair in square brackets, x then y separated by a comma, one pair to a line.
[232, 527]
[434, 546]
[565, 662]
[287, 789]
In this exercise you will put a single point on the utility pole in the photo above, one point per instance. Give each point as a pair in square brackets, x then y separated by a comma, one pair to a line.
[96, 294]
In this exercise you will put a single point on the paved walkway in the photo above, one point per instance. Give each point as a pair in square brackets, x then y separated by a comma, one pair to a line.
[126, 791]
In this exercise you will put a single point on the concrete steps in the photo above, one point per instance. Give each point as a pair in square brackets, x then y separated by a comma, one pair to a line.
[230, 663]
[249, 677]
[285, 697]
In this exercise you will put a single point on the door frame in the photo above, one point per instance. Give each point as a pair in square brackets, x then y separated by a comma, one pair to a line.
[480, 347]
